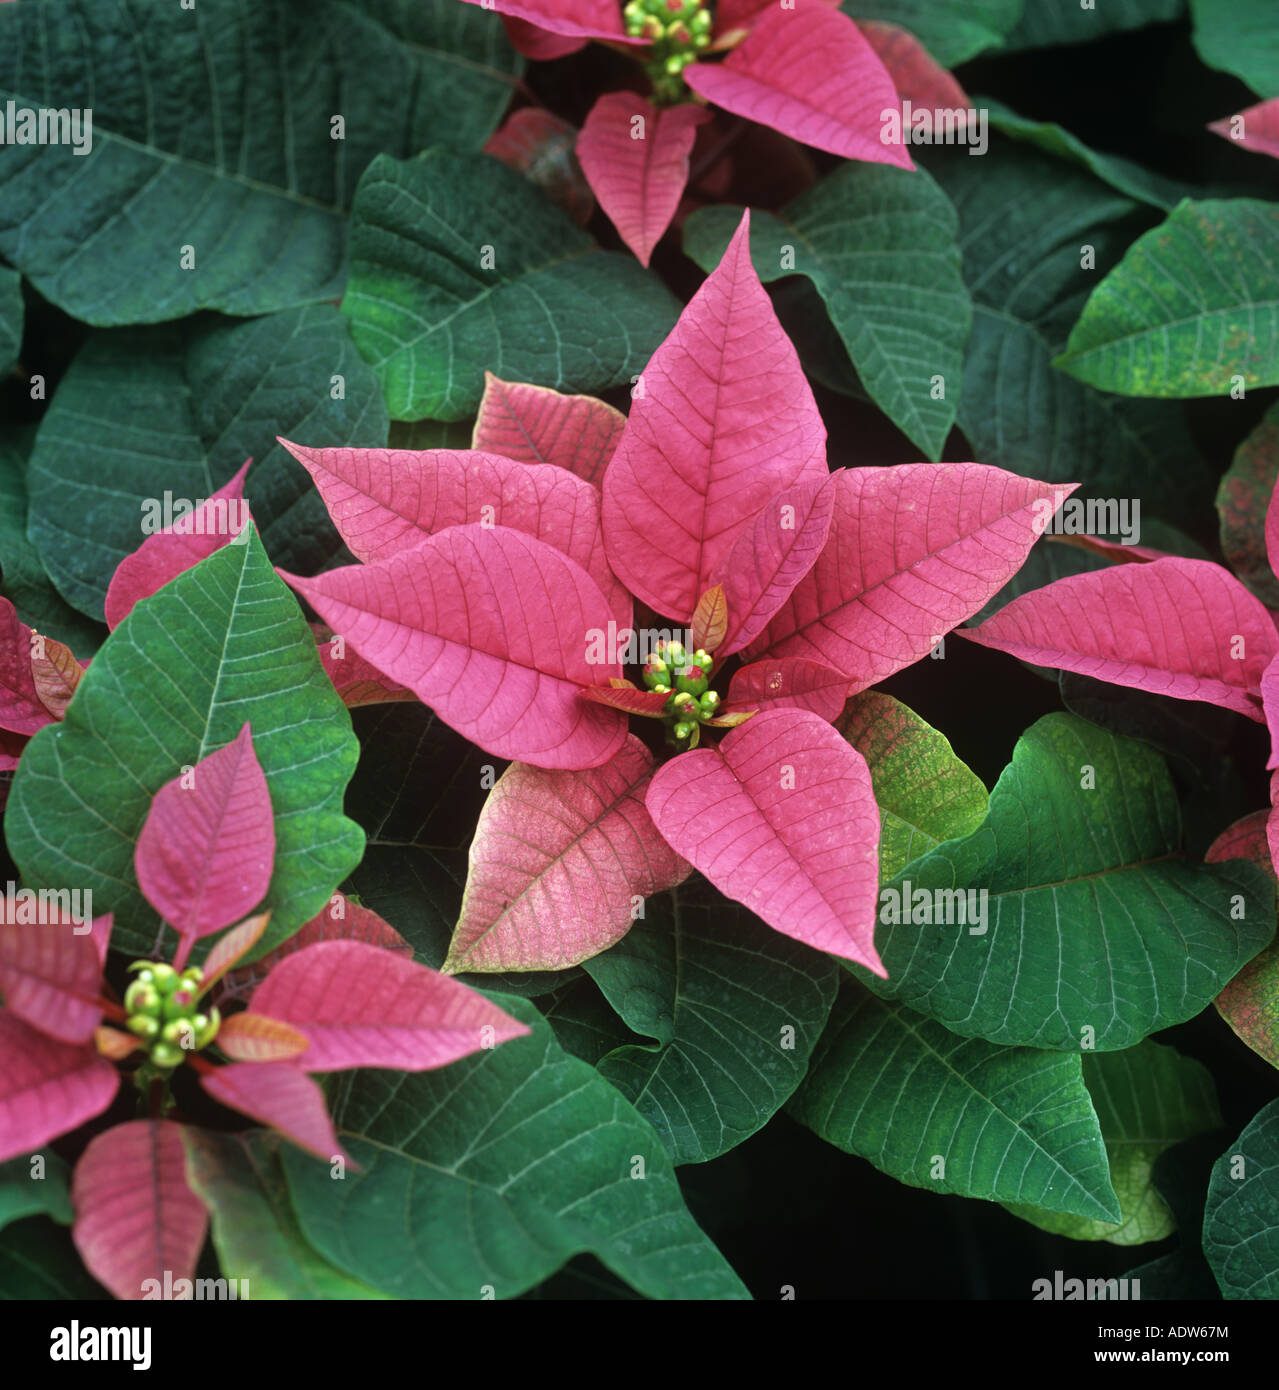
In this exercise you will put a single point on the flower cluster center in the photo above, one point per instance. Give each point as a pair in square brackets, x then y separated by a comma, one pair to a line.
[163, 1010]
[678, 30]
[685, 677]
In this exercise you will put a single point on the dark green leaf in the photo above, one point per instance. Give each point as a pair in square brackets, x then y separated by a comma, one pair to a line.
[257, 1237]
[1026, 225]
[879, 245]
[1096, 932]
[951, 30]
[1239, 37]
[955, 1114]
[217, 176]
[734, 1007]
[1191, 310]
[23, 1193]
[39, 1262]
[1047, 24]
[924, 793]
[1147, 1098]
[483, 1178]
[178, 409]
[10, 318]
[23, 578]
[1121, 174]
[1241, 1219]
[223, 643]
[460, 266]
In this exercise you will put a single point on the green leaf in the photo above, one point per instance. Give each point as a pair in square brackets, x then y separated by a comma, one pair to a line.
[952, 30]
[1241, 1219]
[178, 409]
[1193, 305]
[240, 1179]
[584, 1022]
[1147, 1098]
[1008, 1123]
[417, 793]
[223, 643]
[1096, 932]
[1026, 221]
[24, 1194]
[459, 265]
[879, 246]
[1239, 37]
[1046, 25]
[735, 1009]
[924, 793]
[1121, 174]
[430, 434]
[1242, 499]
[25, 582]
[10, 318]
[216, 177]
[39, 1262]
[491, 1173]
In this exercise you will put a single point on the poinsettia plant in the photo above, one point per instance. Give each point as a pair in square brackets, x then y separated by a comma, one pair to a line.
[501, 594]
[610, 608]
[205, 856]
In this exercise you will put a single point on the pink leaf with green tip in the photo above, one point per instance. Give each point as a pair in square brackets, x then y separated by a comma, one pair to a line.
[47, 1087]
[384, 501]
[780, 816]
[252, 1037]
[341, 920]
[492, 629]
[648, 704]
[1250, 1002]
[912, 551]
[168, 553]
[726, 420]
[21, 709]
[1257, 127]
[788, 682]
[364, 1007]
[207, 848]
[1185, 628]
[136, 1217]
[533, 424]
[635, 156]
[772, 556]
[49, 976]
[279, 1095]
[557, 862]
[228, 949]
[809, 73]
